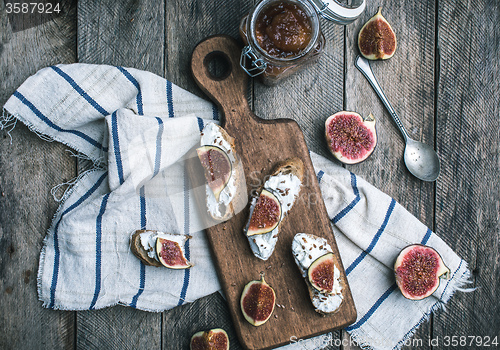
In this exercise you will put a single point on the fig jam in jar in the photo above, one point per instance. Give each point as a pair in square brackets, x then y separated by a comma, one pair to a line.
[283, 30]
[282, 36]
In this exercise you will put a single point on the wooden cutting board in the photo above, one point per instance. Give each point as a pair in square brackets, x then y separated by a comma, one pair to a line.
[261, 144]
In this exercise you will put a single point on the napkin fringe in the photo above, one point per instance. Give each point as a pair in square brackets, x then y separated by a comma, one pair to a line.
[45, 244]
[455, 284]
[458, 283]
[10, 120]
[7, 121]
[97, 165]
[439, 305]
[37, 132]
[365, 345]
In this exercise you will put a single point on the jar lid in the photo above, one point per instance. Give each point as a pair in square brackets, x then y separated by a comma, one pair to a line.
[336, 12]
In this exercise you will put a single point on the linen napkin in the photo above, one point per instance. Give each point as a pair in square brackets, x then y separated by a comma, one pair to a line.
[136, 127]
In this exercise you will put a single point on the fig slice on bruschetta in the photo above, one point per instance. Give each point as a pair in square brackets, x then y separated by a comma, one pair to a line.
[155, 248]
[270, 208]
[222, 171]
[315, 259]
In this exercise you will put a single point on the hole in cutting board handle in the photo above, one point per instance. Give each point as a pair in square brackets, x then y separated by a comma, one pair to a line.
[218, 65]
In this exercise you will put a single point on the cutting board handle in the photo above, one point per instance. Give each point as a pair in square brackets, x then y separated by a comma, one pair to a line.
[228, 87]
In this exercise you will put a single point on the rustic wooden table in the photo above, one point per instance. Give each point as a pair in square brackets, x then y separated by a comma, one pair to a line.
[443, 82]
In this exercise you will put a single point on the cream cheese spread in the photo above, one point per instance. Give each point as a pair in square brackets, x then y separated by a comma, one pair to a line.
[286, 188]
[306, 249]
[212, 136]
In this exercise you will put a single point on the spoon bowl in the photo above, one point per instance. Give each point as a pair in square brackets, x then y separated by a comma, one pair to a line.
[420, 158]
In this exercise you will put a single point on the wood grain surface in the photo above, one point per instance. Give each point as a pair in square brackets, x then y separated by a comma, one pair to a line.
[261, 145]
[443, 81]
[26, 206]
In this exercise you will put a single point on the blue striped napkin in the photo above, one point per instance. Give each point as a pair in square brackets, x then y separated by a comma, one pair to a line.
[134, 125]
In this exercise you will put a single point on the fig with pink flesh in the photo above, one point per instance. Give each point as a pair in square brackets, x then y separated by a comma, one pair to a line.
[217, 168]
[266, 215]
[257, 302]
[351, 139]
[214, 339]
[376, 39]
[170, 254]
[321, 273]
[418, 269]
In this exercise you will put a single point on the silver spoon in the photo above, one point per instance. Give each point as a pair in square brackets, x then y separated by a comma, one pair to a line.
[420, 159]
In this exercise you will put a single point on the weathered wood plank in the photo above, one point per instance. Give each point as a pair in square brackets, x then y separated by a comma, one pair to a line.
[468, 198]
[187, 23]
[407, 79]
[118, 327]
[206, 313]
[29, 168]
[408, 82]
[129, 34]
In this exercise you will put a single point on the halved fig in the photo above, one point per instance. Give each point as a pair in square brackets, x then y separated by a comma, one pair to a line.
[257, 301]
[170, 254]
[321, 273]
[418, 269]
[351, 139]
[376, 39]
[217, 168]
[266, 215]
[214, 339]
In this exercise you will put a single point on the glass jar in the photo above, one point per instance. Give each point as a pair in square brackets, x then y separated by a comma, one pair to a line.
[281, 37]
[284, 36]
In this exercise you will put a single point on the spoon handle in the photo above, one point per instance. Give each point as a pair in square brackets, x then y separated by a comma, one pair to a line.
[364, 66]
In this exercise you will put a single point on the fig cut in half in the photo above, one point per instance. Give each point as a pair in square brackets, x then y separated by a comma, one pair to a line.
[418, 269]
[266, 215]
[171, 255]
[376, 39]
[217, 168]
[351, 139]
[214, 339]
[321, 273]
[257, 301]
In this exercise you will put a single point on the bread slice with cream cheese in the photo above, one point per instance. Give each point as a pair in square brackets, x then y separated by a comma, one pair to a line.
[306, 249]
[285, 182]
